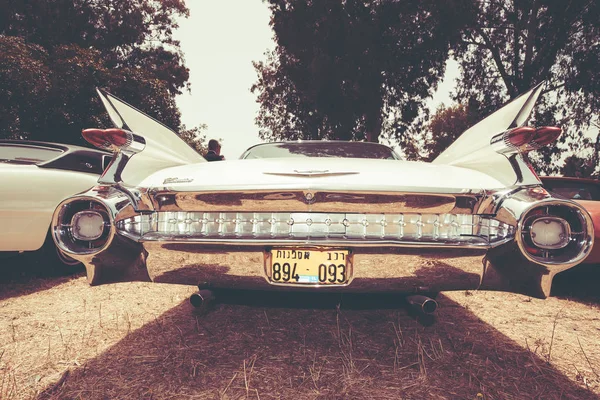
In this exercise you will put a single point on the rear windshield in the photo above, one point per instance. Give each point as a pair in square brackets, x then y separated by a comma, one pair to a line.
[574, 190]
[321, 149]
[26, 154]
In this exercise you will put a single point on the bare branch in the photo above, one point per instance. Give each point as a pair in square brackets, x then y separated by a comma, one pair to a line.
[553, 88]
[531, 32]
[516, 43]
[498, 60]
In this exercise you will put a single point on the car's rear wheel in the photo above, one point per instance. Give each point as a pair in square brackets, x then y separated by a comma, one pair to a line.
[50, 260]
[65, 259]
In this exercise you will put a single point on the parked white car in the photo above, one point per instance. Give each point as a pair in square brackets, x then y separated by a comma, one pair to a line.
[34, 178]
[325, 216]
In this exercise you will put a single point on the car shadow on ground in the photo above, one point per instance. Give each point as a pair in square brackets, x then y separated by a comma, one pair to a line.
[263, 345]
[19, 276]
[579, 283]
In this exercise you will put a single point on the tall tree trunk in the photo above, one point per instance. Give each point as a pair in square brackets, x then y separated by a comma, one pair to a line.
[373, 126]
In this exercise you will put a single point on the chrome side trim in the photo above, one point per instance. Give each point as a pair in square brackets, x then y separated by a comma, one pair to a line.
[523, 169]
[112, 174]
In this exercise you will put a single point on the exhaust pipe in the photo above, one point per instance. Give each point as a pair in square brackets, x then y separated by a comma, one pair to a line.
[202, 297]
[423, 304]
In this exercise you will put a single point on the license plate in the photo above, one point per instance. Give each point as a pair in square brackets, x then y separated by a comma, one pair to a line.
[301, 266]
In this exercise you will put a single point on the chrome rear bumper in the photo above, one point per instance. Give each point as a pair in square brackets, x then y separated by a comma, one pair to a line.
[409, 252]
[385, 269]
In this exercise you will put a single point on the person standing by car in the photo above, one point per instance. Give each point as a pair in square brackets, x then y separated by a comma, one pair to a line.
[214, 151]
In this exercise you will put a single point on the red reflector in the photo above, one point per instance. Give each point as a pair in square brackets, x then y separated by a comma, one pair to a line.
[520, 136]
[546, 135]
[111, 139]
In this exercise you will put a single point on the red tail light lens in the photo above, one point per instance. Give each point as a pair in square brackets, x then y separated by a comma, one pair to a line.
[520, 136]
[117, 137]
[95, 137]
[546, 135]
[109, 139]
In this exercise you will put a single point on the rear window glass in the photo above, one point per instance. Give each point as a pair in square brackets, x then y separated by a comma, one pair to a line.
[321, 149]
[574, 190]
[26, 154]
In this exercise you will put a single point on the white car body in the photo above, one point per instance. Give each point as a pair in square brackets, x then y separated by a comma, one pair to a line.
[30, 194]
[343, 173]
[477, 217]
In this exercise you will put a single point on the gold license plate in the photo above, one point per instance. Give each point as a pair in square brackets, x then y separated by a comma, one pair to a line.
[300, 266]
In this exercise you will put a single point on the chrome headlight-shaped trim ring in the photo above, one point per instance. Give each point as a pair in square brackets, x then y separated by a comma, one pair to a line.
[581, 233]
[62, 229]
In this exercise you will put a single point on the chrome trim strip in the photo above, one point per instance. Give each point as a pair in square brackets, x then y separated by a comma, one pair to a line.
[319, 200]
[523, 169]
[312, 174]
[346, 243]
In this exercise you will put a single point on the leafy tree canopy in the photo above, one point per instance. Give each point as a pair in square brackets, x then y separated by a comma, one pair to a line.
[515, 44]
[439, 133]
[56, 52]
[352, 69]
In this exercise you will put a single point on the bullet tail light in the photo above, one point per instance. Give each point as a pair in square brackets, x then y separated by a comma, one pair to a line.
[123, 143]
[114, 139]
[525, 139]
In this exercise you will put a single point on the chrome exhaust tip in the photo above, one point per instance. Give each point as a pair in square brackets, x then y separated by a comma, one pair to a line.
[202, 297]
[423, 304]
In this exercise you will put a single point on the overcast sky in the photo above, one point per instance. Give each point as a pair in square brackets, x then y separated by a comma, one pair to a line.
[220, 40]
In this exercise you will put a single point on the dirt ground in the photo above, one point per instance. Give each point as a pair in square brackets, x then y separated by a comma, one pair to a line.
[61, 339]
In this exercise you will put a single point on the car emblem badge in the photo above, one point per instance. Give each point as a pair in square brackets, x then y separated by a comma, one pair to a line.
[177, 180]
[310, 197]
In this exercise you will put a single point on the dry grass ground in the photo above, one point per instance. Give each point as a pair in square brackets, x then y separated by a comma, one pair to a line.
[60, 339]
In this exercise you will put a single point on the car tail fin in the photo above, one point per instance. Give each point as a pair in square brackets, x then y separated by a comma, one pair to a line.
[498, 144]
[162, 146]
[512, 115]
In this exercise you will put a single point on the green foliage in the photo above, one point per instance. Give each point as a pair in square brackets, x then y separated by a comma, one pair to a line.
[516, 44]
[56, 52]
[579, 167]
[441, 131]
[195, 137]
[352, 69]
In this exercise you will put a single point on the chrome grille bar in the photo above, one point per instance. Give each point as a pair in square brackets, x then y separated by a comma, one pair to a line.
[274, 225]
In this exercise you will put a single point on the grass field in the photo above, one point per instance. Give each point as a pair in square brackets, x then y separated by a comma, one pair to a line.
[61, 339]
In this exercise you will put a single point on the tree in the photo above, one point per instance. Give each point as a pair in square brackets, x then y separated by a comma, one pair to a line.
[195, 137]
[433, 137]
[515, 44]
[578, 167]
[55, 54]
[352, 69]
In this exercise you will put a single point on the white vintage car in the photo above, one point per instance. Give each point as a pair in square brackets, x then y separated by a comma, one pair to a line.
[325, 216]
[34, 178]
